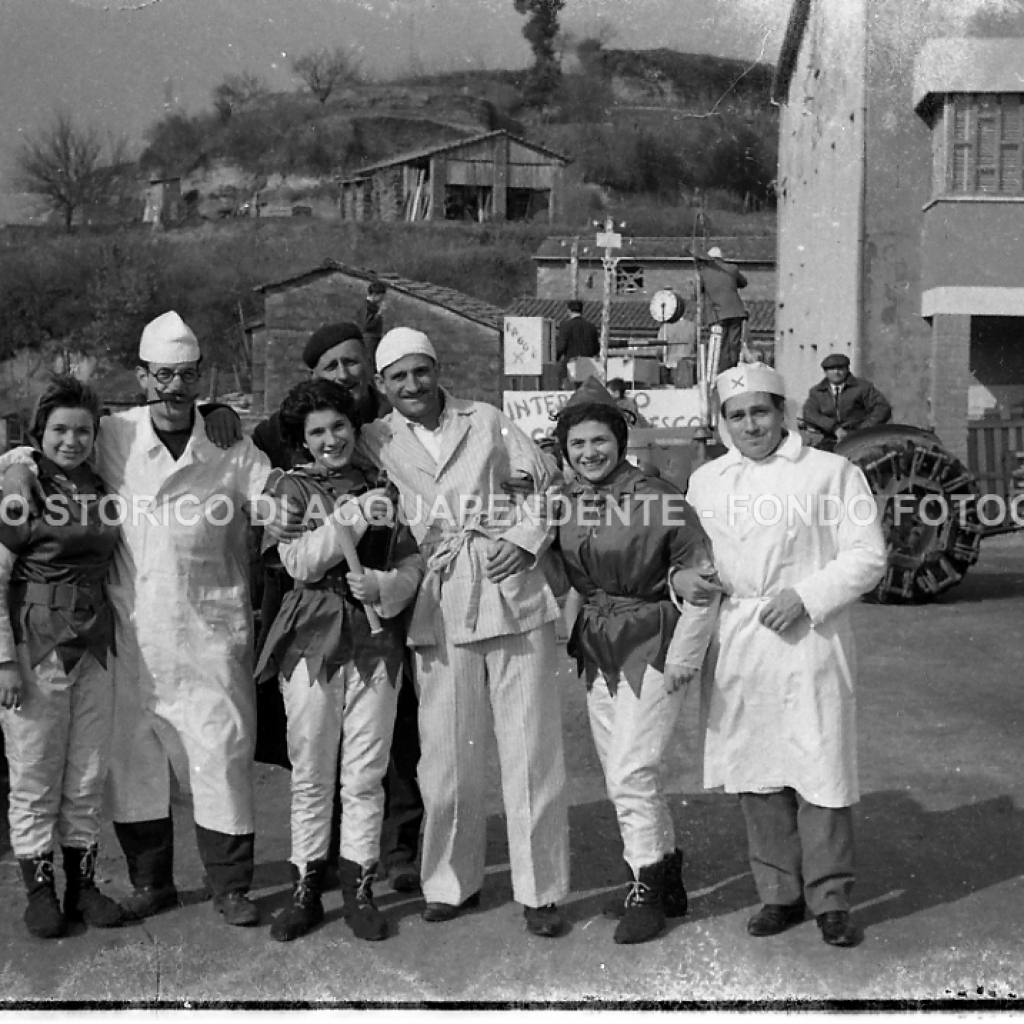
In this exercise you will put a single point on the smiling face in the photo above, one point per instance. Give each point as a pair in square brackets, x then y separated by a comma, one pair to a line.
[593, 450]
[171, 391]
[330, 438]
[755, 423]
[68, 437]
[345, 364]
[411, 386]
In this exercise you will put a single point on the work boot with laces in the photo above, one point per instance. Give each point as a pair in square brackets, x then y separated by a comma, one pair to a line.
[306, 910]
[362, 915]
[82, 900]
[644, 917]
[43, 917]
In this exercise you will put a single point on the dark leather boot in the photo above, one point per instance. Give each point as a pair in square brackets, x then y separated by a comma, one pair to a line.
[363, 917]
[305, 911]
[674, 896]
[43, 917]
[615, 904]
[229, 860]
[644, 917]
[82, 900]
[149, 851]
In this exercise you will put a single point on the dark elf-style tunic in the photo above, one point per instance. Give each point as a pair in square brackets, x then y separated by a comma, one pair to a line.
[321, 621]
[57, 596]
[620, 567]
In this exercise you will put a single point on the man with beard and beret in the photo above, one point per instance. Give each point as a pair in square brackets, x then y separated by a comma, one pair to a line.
[841, 404]
[336, 352]
[778, 706]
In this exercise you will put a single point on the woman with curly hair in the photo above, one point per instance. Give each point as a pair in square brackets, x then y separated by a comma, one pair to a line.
[339, 678]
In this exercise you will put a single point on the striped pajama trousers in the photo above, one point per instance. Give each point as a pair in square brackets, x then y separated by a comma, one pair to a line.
[511, 678]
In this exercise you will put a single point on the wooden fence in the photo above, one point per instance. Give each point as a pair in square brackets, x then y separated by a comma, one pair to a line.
[995, 455]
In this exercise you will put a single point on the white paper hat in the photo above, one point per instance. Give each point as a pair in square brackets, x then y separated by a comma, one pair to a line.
[748, 377]
[400, 342]
[715, 253]
[168, 340]
[745, 379]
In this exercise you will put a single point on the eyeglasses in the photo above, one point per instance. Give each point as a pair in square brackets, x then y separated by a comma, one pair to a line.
[165, 375]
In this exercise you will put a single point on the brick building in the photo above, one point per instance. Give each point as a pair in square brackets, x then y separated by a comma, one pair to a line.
[465, 331]
[901, 203]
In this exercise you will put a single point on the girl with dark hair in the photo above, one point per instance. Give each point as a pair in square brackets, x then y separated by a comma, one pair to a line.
[339, 679]
[56, 637]
[637, 645]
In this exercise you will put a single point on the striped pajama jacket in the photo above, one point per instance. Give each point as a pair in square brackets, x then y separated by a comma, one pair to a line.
[480, 647]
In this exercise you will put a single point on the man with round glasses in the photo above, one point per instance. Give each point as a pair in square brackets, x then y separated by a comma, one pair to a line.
[183, 693]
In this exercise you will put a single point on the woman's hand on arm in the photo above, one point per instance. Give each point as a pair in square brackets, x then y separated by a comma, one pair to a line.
[10, 685]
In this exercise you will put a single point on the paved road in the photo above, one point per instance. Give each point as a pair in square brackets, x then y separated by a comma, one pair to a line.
[941, 859]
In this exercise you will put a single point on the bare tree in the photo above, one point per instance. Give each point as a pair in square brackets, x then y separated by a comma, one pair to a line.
[237, 92]
[324, 70]
[70, 166]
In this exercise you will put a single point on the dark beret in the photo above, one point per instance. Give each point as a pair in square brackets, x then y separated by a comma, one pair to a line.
[834, 361]
[323, 339]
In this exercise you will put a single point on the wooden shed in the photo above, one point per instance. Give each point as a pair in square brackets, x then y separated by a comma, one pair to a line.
[465, 331]
[490, 177]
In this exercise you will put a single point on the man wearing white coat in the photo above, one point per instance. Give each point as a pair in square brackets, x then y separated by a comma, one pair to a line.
[796, 542]
[483, 630]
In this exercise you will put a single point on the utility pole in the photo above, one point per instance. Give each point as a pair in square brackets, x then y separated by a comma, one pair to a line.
[574, 268]
[609, 241]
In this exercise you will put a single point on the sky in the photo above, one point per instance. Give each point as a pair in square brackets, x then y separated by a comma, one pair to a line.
[114, 63]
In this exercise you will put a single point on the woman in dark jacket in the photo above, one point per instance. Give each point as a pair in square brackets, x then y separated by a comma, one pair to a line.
[56, 639]
[339, 678]
[625, 535]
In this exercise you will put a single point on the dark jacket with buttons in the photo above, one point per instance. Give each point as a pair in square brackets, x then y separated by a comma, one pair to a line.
[861, 405]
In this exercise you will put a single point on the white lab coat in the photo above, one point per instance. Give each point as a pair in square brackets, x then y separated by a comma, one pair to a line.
[779, 710]
[183, 686]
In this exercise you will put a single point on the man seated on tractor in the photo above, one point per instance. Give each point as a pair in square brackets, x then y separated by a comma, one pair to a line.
[841, 404]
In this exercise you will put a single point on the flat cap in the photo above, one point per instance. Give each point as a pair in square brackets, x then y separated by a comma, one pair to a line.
[834, 361]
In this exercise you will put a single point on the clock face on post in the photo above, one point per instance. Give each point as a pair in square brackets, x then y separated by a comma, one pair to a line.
[666, 306]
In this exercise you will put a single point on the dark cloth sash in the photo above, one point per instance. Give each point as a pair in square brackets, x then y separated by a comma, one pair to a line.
[79, 597]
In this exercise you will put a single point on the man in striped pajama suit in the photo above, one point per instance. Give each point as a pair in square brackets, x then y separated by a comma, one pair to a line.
[483, 633]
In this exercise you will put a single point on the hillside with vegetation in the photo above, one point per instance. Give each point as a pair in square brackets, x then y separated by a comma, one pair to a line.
[654, 137]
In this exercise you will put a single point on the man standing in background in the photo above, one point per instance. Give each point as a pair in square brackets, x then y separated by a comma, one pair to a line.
[721, 282]
[577, 346]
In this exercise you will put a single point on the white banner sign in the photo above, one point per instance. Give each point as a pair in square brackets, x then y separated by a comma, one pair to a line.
[531, 411]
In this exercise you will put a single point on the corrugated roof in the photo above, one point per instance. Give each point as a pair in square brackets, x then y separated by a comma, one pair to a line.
[631, 316]
[419, 154]
[737, 248]
[448, 298]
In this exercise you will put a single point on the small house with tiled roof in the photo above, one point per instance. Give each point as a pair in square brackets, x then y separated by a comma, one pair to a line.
[465, 331]
[646, 264]
[494, 176]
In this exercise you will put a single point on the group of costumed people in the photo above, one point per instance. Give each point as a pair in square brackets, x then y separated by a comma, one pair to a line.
[126, 656]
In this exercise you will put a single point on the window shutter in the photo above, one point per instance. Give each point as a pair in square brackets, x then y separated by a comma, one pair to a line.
[1011, 147]
[988, 145]
[961, 148]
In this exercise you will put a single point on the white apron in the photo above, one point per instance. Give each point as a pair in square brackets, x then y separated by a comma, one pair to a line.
[183, 686]
[779, 710]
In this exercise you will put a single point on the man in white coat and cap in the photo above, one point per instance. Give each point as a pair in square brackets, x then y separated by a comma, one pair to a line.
[796, 542]
[184, 699]
[483, 633]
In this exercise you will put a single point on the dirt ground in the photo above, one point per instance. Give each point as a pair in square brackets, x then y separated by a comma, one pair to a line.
[939, 892]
